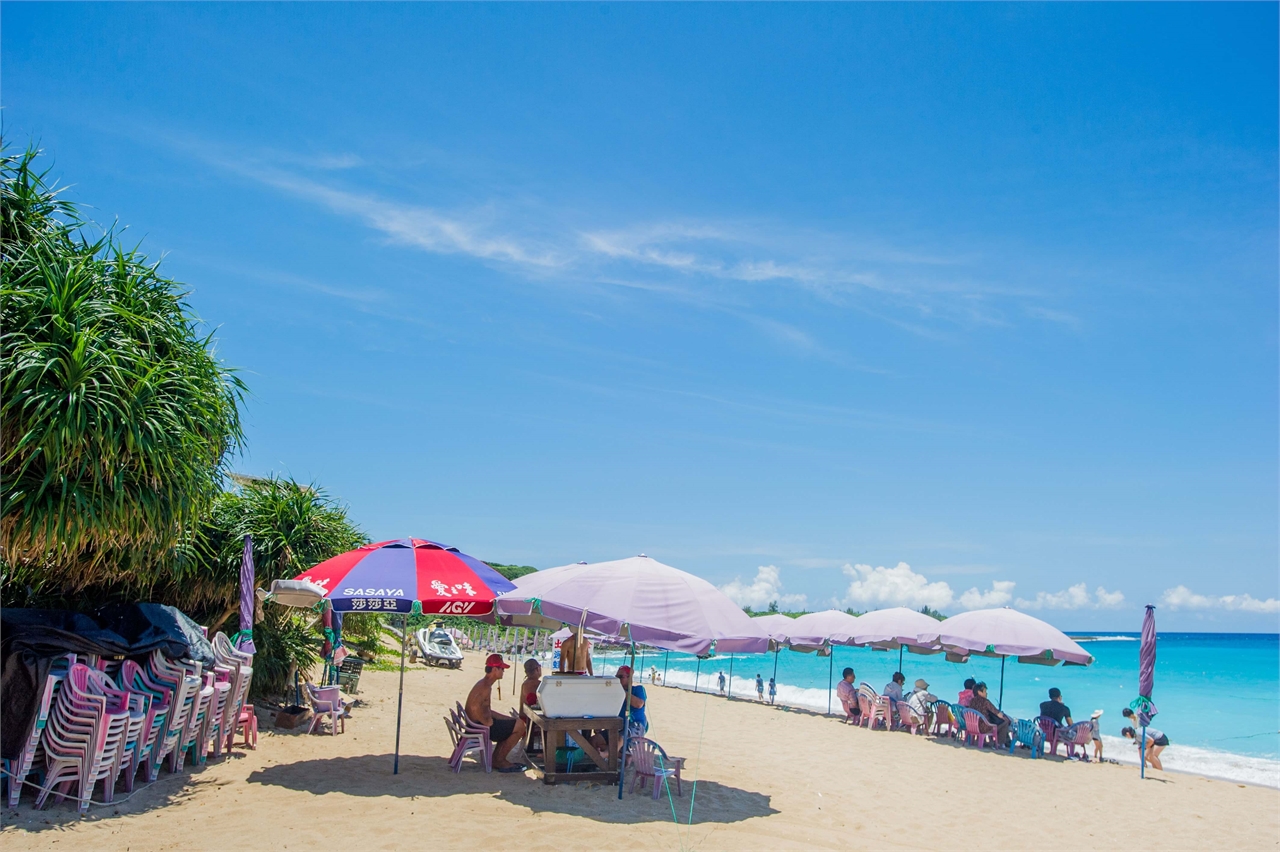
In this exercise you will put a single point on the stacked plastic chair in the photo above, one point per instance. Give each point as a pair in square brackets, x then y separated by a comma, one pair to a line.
[85, 733]
[159, 697]
[215, 719]
[238, 713]
[201, 696]
[17, 770]
[184, 687]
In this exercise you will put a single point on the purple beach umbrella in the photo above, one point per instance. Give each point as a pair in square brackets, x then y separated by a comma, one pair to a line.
[1143, 705]
[244, 639]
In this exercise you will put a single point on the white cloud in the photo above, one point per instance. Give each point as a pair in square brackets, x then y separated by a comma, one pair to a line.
[765, 589]
[1180, 597]
[1075, 597]
[1000, 593]
[876, 588]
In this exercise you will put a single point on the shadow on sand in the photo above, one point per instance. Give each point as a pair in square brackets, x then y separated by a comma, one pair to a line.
[164, 791]
[370, 775]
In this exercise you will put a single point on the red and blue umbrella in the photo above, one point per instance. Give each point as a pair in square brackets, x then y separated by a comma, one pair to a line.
[405, 575]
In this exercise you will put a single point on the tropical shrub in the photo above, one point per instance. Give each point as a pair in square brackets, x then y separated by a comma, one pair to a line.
[116, 416]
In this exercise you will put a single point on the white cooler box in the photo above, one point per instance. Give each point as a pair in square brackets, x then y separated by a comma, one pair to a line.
[575, 696]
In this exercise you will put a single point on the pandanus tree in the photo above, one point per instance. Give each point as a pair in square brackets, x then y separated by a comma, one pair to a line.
[294, 526]
[116, 415]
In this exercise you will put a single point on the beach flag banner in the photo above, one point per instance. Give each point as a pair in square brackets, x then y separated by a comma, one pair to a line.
[408, 575]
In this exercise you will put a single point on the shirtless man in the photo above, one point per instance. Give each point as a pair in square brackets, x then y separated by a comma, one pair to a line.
[504, 731]
[575, 655]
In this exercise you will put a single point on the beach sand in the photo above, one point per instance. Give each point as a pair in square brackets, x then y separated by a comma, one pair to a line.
[766, 779]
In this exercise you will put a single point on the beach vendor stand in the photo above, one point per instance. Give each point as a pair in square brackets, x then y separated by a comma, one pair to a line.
[405, 576]
[640, 599]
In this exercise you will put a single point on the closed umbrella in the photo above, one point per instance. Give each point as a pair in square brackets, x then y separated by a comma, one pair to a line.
[1143, 705]
[244, 639]
[405, 575]
[1006, 633]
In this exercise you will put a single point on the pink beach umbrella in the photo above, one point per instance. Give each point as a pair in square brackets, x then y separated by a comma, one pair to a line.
[1006, 633]
[830, 627]
[778, 626]
[896, 628]
[641, 598]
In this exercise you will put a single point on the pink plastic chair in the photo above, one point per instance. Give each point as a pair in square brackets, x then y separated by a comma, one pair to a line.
[470, 737]
[327, 701]
[1078, 736]
[944, 718]
[977, 728]
[651, 763]
[83, 737]
[876, 709]
[20, 767]
[908, 719]
[1050, 728]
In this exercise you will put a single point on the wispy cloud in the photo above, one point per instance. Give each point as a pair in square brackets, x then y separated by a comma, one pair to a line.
[722, 265]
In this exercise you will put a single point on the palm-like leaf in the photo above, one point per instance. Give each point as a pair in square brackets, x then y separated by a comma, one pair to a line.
[116, 416]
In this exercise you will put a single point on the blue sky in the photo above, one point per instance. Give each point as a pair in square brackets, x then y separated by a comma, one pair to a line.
[955, 305]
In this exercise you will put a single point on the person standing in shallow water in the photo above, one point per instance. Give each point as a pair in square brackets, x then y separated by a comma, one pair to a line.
[759, 687]
[773, 690]
[722, 683]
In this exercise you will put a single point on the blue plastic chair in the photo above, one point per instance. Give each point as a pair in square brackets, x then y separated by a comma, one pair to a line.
[1027, 732]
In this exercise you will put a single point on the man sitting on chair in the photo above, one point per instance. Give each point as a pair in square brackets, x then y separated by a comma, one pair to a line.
[505, 732]
[848, 695]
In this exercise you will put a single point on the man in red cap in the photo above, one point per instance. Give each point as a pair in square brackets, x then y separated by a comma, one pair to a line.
[504, 731]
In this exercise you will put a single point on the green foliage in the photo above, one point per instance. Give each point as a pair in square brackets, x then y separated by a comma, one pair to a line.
[511, 572]
[294, 526]
[285, 639]
[773, 610]
[932, 613]
[116, 418]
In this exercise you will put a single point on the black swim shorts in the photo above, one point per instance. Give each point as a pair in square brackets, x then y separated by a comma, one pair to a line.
[1163, 741]
[501, 729]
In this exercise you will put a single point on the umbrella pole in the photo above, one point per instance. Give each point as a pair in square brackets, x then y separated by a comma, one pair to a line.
[404, 632]
[665, 660]
[697, 672]
[626, 722]
[730, 695]
[1000, 703]
[899, 656]
[831, 670]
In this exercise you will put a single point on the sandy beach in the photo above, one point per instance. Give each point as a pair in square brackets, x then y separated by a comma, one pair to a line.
[766, 779]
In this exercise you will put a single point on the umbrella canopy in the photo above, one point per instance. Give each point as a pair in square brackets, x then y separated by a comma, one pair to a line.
[894, 628]
[393, 576]
[1005, 632]
[832, 626]
[778, 626]
[640, 598]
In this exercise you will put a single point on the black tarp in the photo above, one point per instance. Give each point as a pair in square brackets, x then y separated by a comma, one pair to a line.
[31, 638]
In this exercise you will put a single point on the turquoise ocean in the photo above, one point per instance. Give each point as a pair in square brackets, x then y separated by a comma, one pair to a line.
[1218, 693]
